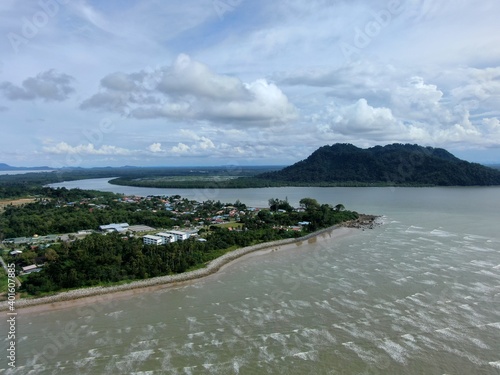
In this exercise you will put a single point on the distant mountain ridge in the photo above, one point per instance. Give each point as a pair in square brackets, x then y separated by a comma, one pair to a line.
[6, 167]
[394, 164]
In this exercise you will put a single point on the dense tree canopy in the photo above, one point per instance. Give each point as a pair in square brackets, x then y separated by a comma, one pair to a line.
[392, 164]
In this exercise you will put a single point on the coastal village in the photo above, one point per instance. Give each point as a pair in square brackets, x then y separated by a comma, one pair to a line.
[191, 219]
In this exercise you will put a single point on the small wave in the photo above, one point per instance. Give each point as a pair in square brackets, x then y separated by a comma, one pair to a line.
[394, 350]
[364, 354]
[307, 356]
[495, 364]
[85, 362]
[441, 233]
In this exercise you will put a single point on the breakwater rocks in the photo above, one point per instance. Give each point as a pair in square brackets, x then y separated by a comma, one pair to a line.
[211, 268]
[363, 222]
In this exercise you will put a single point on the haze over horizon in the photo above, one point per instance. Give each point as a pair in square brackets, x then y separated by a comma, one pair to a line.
[213, 82]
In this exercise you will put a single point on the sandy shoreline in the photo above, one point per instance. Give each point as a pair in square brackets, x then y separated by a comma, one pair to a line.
[85, 296]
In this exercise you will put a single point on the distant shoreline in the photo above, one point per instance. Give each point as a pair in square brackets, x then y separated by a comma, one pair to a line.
[251, 183]
[212, 267]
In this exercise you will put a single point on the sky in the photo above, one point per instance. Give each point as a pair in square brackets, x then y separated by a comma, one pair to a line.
[244, 82]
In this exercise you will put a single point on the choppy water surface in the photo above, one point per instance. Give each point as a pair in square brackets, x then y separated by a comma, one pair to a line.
[418, 295]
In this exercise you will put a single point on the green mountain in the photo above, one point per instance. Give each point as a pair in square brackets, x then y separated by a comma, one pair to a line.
[395, 164]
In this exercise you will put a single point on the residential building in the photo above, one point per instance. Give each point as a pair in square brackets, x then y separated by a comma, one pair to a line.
[178, 235]
[167, 237]
[152, 240]
[30, 269]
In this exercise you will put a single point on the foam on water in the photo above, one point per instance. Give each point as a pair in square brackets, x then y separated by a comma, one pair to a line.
[365, 355]
[196, 334]
[441, 233]
[482, 263]
[296, 304]
[495, 364]
[84, 362]
[307, 356]
[394, 350]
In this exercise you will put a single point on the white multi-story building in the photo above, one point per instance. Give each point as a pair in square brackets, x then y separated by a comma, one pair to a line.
[163, 238]
[152, 240]
[178, 235]
[167, 237]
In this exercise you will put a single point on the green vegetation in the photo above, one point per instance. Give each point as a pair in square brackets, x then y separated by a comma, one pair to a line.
[65, 211]
[236, 182]
[101, 259]
[395, 164]
[348, 165]
[31, 184]
[3, 282]
[98, 259]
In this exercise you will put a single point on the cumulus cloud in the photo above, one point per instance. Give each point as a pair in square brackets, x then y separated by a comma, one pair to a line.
[189, 89]
[48, 86]
[201, 146]
[88, 149]
[189, 77]
[362, 120]
[181, 148]
[155, 148]
[419, 101]
[448, 108]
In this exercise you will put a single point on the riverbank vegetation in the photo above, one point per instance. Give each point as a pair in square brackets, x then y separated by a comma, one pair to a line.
[31, 184]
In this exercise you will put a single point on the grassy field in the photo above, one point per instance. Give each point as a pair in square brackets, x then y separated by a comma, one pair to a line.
[232, 224]
[15, 202]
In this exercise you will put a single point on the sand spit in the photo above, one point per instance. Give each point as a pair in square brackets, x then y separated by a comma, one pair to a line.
[210, 269]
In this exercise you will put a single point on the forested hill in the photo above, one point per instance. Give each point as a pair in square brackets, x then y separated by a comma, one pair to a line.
[6, 167]
[403, 164]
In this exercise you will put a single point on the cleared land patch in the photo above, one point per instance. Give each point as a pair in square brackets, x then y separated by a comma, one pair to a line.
[15, 202]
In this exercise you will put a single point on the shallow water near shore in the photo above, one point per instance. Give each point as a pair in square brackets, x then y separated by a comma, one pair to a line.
[417, 295]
